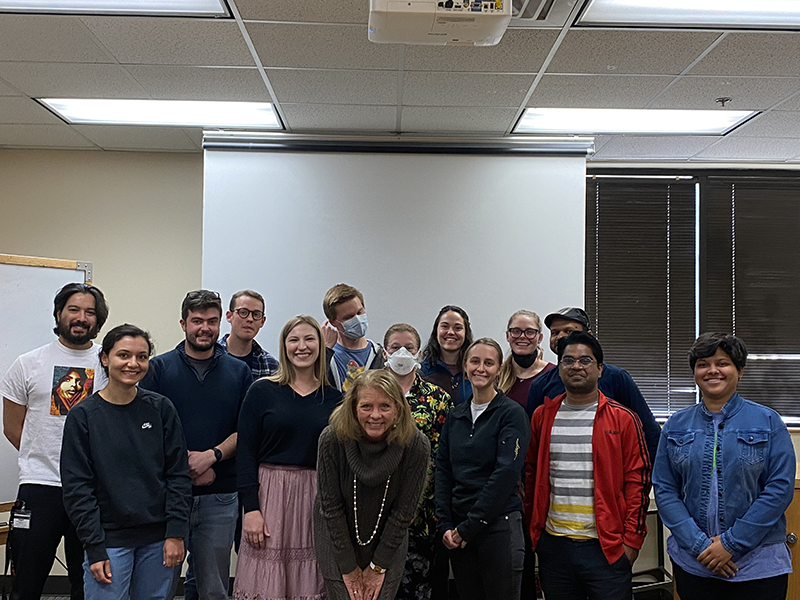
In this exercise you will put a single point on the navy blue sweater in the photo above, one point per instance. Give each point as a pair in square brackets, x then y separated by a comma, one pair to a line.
[125, 473]
[479, 465]
[615, 383]
[208, 408]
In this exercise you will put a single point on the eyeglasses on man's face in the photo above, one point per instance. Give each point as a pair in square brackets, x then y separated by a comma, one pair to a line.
[583, 361]
[529, 333]
[244, 313]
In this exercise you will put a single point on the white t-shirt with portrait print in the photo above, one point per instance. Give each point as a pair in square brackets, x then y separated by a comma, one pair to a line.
[49, 381]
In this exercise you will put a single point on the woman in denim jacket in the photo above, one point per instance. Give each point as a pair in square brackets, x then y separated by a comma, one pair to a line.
[723, 477]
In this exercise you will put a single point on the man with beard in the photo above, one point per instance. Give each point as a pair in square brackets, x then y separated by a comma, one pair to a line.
[587, 483]
[207, 387]
[38, 392]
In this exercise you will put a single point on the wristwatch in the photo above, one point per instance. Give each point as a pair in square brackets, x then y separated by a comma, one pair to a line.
[217, 453]
[376, 568]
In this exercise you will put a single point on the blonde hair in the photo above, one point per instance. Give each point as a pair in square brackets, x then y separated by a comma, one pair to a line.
[484, 341]
[339, 294]
[344, 420]
[286, 373]
[507, 376]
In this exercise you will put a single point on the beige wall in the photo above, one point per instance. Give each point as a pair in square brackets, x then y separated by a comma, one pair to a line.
[136, 216]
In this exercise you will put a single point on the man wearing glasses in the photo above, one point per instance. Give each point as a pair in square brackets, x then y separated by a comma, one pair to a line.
[207, 388]
[615, 383]
[587, 482]
[247, 317]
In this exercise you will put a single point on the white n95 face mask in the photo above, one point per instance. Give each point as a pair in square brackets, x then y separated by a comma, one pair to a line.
[402, 361]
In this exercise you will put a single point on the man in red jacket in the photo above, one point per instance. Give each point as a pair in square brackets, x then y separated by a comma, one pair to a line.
[587, 483]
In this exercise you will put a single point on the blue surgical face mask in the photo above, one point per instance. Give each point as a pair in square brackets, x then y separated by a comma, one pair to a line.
[356, 327]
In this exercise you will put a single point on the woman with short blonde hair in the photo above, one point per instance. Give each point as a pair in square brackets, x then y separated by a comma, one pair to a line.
[371, 469]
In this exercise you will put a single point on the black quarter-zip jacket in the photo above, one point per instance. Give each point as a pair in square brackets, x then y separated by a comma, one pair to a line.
[479, 466]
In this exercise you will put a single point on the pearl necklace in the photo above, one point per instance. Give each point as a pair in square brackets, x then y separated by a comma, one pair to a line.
[380, 513]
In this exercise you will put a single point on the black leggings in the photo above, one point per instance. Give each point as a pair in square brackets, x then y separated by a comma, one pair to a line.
[33, 550]
[694, 587]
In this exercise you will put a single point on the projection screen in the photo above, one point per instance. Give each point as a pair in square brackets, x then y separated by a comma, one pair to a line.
[413, 232]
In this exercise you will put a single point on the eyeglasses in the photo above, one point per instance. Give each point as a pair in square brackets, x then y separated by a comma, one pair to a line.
[583, 361]
[244, 313]
[529, 333]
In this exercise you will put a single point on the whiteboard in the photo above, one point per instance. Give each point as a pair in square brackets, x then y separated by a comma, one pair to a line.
[26, 322]
[413, 232]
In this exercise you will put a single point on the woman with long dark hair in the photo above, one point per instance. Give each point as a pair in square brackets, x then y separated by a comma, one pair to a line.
[443, 356]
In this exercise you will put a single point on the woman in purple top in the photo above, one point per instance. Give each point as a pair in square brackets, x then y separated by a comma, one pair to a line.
[526, 362]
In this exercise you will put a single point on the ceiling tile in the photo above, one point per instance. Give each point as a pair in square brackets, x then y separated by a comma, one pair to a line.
[118, 137]
[71, 80]
[640, 52]
[597, 91]
[748, 93]
[621, 147]
[759, 54]
[773, 124]
[420, 119]
[48, 38]
[6, 89]
[42, 136]
[320, 46]
[520, 51]
[747, 148]
[305, 11]
[792, 104]
[465, 89]
[161, 41]
[168, 82]
[334, 87]
[314, 117]
[22, 110]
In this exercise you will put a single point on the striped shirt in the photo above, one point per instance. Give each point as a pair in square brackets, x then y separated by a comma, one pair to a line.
[571, 511]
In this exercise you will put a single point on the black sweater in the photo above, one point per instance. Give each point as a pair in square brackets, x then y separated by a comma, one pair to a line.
[479, 465]
[125, 473]
[280, 427]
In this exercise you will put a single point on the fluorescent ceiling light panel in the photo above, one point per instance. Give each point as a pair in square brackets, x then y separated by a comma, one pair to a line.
[737, 14]
[594, 121]
[184, 8]
[174, 113]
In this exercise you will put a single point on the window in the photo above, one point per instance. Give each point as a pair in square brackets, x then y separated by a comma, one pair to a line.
[657, 272]
[640, 281]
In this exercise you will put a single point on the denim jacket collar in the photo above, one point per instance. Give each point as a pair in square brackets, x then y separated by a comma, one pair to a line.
[731, 407]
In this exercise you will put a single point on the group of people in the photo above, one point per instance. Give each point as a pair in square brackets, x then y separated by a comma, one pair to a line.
[356, 470]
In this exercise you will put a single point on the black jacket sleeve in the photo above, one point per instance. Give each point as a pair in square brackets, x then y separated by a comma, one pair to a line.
[247, 448]
[176, 473]
[443, 490]
[78, 486]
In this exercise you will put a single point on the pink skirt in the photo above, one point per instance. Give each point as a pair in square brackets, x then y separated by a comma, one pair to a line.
[286, 569]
